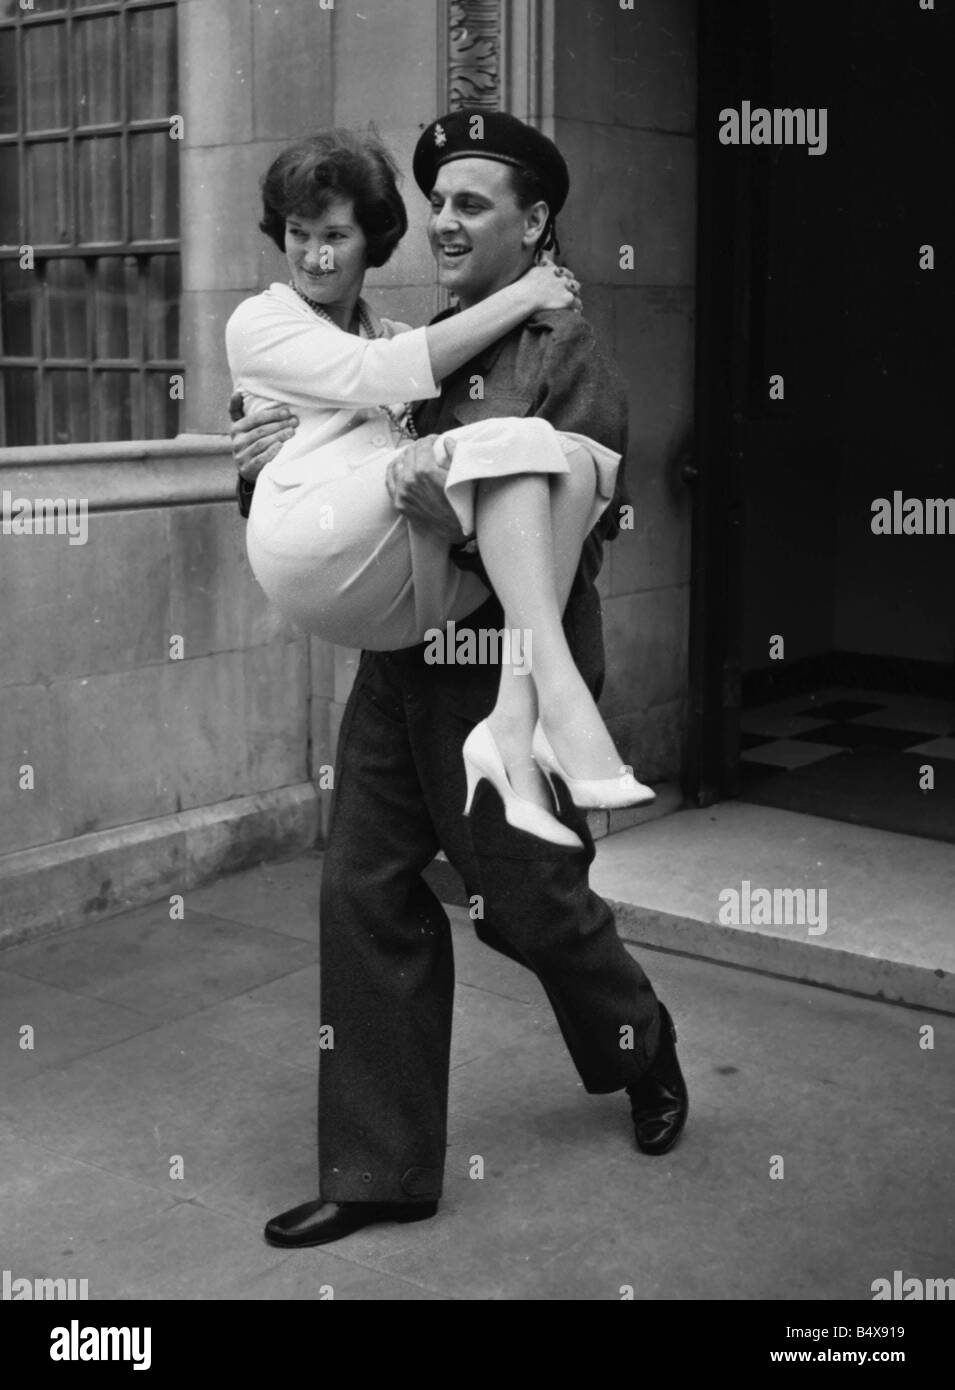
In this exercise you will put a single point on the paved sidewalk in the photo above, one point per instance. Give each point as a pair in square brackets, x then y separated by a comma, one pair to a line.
[157, 1038]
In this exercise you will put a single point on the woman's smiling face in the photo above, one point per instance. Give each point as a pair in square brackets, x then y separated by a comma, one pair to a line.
[326, 254]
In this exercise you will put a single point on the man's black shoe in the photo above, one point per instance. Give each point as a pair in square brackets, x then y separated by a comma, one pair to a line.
[318, 1222]
[659, 1100]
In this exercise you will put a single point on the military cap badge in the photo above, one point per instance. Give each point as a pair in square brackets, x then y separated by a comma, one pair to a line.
[439, 136]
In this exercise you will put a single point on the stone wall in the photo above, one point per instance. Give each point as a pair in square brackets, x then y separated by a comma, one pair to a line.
[155, 716]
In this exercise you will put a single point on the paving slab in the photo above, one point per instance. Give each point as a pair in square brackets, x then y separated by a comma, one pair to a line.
[58, 1215]
[62, 1026]
[186, 1252]
[282, 897]
[321, 1274]
[160, 967]
[279, 1019]
[268, 1172]
[176, 1090]
[482, 1018]
[477, 965]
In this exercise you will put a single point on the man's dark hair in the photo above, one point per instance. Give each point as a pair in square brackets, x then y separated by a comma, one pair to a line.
[313, 172]
[528, 188]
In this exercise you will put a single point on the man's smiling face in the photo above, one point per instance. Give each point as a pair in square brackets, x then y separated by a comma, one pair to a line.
[481, 239]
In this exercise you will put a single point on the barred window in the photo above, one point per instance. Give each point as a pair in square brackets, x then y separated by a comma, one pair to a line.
[89, 221]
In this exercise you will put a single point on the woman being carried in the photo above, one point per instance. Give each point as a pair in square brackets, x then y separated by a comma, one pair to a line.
[324, 539]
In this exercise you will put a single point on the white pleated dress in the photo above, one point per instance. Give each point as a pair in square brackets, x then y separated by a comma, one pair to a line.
[323, 538]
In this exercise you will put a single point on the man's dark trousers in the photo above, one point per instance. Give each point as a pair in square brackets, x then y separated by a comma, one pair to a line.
[387, 972]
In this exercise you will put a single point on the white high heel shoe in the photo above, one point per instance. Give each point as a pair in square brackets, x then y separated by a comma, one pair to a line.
[482, 758]
[604, 793]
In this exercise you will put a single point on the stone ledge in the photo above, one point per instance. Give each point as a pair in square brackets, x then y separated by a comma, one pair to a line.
[892, 981]
[57, 886]
[887, 930]
[116, 476]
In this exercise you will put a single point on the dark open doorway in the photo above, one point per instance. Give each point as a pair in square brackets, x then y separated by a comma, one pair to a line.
[822, 653]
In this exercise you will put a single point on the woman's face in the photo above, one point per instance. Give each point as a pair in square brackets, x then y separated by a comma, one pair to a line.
[326, 254]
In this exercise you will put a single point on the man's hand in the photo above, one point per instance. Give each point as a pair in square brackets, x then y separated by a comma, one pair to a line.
[416, 487]
[258, 436]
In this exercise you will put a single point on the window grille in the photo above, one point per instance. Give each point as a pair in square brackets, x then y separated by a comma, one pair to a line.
[89, 221]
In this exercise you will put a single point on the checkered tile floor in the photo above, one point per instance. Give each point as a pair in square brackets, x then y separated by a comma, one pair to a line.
[854, 755]
[805, 728]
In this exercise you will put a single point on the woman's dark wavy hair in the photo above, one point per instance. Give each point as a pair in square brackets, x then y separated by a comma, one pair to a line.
[313, 172]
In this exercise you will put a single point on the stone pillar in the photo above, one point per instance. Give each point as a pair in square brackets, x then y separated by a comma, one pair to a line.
[624, 98]
[253, 75]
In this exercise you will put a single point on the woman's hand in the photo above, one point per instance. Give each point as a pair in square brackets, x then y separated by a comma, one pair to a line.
[553, 287]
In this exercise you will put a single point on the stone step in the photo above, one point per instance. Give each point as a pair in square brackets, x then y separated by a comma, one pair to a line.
[875, 915]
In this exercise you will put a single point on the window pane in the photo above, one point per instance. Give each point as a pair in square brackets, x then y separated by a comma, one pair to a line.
[153, 184]
[8, 81]
[66, 306]
[96, 71]
[152, 64]
[10, 201]
[44, 63]
[162, 307]
[162, 413]
[117, 307]
[100, 164]
[112, 398]
[19, 298]
[19, 399]
[50, 216]
[69, 404]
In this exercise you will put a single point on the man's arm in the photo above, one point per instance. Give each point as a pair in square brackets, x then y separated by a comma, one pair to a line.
[256, 439]
[579, 390]
[552, 367]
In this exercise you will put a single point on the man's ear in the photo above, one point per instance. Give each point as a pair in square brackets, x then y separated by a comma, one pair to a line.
[535, 220]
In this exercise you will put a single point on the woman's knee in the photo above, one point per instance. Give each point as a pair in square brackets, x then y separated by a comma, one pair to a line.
[527, 433]
[580, 480]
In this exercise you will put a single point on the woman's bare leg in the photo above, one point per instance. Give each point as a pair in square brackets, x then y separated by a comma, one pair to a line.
[530, 532]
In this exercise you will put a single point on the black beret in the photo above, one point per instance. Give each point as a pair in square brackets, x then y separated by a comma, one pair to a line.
[495, 135]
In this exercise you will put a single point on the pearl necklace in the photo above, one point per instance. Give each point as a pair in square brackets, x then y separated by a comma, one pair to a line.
[401, 419]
